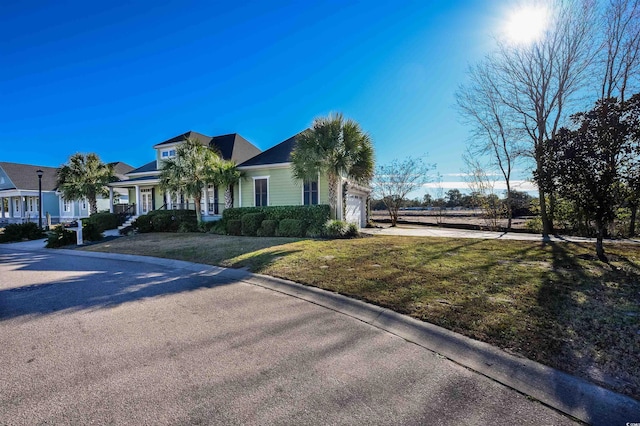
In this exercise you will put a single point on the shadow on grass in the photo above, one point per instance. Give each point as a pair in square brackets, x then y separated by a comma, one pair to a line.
[582, 305]
[260, 260]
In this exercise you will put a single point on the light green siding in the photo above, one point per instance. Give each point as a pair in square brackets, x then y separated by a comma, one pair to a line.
[283, 189]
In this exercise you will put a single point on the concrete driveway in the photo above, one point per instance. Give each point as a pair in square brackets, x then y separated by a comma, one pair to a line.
[98, 341]
[434, 231]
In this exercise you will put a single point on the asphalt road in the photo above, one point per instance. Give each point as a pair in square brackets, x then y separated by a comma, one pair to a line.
[97, 341]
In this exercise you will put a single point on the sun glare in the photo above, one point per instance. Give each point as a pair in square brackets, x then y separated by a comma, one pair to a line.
[526, 24]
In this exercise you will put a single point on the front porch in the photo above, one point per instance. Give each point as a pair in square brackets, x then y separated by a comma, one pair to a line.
[144, 198]
[24, 206]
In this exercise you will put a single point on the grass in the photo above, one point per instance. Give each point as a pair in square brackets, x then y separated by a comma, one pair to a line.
[553, 303]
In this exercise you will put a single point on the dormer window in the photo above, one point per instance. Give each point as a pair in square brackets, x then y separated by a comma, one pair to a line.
[168, 153]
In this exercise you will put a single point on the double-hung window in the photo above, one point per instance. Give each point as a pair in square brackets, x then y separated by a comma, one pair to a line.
[261, 188]
[310, 193]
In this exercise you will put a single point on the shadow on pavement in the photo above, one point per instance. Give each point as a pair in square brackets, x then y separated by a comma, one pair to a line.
[93, 284]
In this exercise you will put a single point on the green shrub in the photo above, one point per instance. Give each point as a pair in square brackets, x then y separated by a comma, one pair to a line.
[268, 228]
[90, 232]
[234, 227]
[187, 227]
[20, 231]
[313, 217]
[291, 228]
[103, 221]
[60, 237]
[352, 231]
[218, 228]
[335, 229]
[206, 226]
[251, 222]
[143, 224]
[167, 221]
[340, 229]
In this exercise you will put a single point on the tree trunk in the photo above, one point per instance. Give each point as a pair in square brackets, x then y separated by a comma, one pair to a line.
[93, 205]
[228, 197]
[197, 201]
[599, 244]
[632, 224]
[543, 214]
[333, 196]
[509, 206]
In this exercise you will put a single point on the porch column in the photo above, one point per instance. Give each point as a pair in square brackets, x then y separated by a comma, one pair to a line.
[167, 199]
[138, 201]
[21, 201]
[239, 194]
[11, 203]
[110, 200]
[206, 200]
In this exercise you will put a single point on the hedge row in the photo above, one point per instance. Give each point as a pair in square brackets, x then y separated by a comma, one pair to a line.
[167, 221]
[313, 218]
[104, 221]
[21, 231]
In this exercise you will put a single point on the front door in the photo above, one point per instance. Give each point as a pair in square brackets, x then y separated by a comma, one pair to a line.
[147, 200]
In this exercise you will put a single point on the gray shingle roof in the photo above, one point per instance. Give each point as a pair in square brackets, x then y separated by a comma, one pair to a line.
[120, 169]
[234, 147]
[149, 167]
[24, 176]
[203, 139]
[280, 153]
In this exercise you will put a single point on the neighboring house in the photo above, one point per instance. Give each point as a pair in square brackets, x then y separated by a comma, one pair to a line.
[267, 181]
[143, 183]
[19, 196]
[71, 210]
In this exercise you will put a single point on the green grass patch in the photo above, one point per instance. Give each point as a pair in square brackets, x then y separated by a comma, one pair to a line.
[553, 303]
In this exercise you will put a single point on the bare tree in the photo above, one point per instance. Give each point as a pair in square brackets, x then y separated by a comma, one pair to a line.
[618, 63]
[394, 181]
[540, 79]
[494, 134]
[482, 187]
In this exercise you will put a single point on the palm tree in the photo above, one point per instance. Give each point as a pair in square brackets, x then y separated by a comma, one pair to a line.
[226, 175]
[190, 171]
[335, 147]
[85, 176]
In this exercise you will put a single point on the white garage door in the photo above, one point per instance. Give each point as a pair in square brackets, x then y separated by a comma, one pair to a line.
[355, 209]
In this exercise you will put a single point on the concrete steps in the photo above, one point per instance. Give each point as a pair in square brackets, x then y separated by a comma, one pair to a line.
[128, 222]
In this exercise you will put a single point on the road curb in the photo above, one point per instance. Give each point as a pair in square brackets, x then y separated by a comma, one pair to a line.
[571, 395]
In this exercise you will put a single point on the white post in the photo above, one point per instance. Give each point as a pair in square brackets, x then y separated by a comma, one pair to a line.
[11, 203]
[21, 209]
[138, 201]
[110, 200]
[239, 193]
[79, 233]
[206, 200]
[167, 199]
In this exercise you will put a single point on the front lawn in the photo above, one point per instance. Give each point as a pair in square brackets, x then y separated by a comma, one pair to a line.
[553, 303]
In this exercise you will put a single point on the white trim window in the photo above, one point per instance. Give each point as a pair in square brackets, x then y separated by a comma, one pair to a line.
[167, 153]
[261, 191]
[66, 206]
[84, 204]
[310, 193]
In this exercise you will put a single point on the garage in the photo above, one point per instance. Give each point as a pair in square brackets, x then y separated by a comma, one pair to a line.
[355, 211]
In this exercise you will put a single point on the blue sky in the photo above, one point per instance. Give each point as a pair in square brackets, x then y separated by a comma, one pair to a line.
[115, 78]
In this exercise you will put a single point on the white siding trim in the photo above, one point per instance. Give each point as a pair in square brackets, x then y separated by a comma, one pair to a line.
[268, 189]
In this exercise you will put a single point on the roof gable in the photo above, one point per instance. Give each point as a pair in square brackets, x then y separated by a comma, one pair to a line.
[149, 167]
[234, 147]
[25, 177]
[280, 153]
[203, 139]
